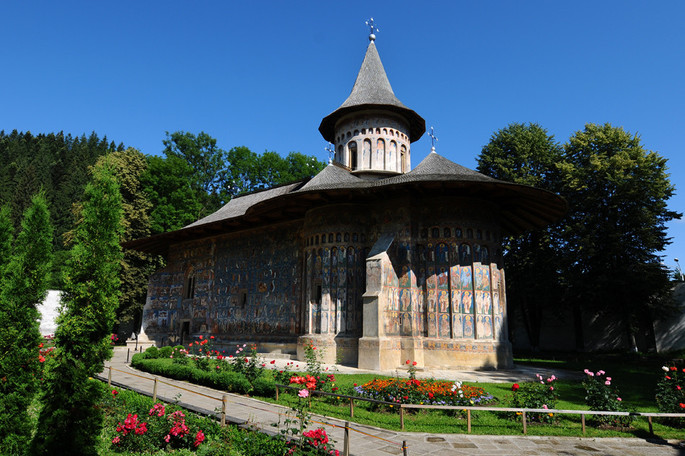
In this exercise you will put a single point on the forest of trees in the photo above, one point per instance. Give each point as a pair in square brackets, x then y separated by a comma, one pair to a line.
[192, 178]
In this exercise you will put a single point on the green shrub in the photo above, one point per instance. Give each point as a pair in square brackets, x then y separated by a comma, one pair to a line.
[264, 387]
[232, 382]
[152, 352]
[165, 352]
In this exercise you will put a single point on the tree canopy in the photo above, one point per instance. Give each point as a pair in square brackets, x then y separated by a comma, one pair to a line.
[603, 256]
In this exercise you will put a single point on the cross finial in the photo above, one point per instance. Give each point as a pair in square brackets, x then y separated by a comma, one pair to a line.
[372, 29]
[434, 139]
[331, 152]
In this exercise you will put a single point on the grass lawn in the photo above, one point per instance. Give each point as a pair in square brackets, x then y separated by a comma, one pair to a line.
[635, 376]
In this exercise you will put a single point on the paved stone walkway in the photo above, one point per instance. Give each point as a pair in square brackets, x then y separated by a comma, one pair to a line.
[371, 441]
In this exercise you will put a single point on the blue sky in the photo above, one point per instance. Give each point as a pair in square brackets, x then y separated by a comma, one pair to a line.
[263, 74]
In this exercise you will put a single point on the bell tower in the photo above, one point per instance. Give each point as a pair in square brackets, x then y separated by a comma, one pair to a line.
[372, 130]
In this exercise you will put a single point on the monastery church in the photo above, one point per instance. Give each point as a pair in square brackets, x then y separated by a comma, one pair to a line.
[370, 260]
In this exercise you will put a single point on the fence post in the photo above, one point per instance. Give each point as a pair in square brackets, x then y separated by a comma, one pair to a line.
[468, 421]
[346, 444]
[276, 393]
[401, 417]
[154, 391]
[525, 429]
[223, 410]
[651, 429]
[128, 354]
[582, 421]
[351, 408]
[404, 447]
[109, 377]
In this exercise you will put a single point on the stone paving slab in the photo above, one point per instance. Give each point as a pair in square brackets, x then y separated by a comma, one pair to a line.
[371, 441]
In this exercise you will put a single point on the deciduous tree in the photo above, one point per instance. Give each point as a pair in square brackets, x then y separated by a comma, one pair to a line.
[527, 154]
[617, 193]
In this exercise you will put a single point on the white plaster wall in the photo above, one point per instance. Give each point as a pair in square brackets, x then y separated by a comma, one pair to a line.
[49, 310]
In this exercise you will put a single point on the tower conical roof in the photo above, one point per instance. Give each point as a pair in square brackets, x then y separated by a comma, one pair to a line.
[372, 90]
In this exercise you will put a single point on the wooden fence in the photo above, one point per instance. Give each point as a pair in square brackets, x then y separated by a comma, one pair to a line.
[468, 409]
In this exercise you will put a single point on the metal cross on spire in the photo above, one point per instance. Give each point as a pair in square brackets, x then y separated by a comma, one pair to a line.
[434, 139]
[331, 152]
[372, 29]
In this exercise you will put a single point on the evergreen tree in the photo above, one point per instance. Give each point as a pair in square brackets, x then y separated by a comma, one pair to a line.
[6, 237]
[22, 287]
[70, 423]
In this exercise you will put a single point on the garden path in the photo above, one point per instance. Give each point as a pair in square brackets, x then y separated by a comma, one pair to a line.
[370, 441]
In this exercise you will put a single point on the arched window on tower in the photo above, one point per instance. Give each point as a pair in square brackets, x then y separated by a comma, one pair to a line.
[352, 153]
[340, 155]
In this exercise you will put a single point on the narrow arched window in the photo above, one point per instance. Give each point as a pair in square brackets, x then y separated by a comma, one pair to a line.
[352, 152]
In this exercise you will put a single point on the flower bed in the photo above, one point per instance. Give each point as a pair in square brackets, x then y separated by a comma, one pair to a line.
[428, 392]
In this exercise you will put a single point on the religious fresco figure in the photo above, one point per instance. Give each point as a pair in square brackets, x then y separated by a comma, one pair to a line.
[445, 329]
[457, 326]
[444, 300]
[468, 326]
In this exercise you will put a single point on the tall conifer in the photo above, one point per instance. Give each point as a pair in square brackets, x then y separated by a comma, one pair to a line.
[69, 423]
[22, 287]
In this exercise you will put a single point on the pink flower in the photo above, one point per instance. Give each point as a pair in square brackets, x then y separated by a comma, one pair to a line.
[544, 406]
[607, 383]
[619, 399]
[199, 438]
[116, 440]
[609, 379]
[303, 393]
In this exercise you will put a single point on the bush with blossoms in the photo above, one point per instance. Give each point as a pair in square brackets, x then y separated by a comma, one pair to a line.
[312, 442]
[670, 392]
[540, 394]
[160, 428]
[602, 395]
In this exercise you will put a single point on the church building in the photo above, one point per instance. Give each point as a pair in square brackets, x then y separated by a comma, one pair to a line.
[370, 260]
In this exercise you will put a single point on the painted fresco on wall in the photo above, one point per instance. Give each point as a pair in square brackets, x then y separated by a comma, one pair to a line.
[243, 286]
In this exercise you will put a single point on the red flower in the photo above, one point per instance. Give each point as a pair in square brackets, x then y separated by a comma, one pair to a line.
[273, 361]
[201, 337]
[515, 387]
[414, 363]
[408, 361]
[673, 368]
[668, 378]
[211, 337]
[114, 393]
[682, 405]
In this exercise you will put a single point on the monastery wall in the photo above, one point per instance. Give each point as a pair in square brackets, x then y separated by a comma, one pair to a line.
[240, 288]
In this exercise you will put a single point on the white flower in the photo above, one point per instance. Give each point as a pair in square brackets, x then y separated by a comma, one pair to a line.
[664, 368]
